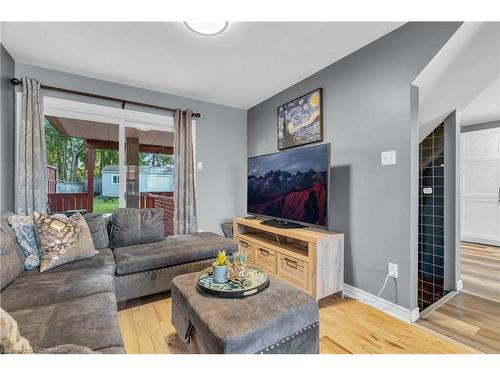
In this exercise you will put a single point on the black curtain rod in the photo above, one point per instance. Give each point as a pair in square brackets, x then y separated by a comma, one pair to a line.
[123, 102]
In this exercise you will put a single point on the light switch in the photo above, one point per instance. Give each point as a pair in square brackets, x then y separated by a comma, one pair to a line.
[199, 165]
[388, 157]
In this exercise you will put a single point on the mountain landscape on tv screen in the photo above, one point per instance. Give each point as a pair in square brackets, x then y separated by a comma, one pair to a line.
[298, 196]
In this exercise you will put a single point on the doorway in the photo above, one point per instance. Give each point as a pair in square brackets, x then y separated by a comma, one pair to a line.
[472, 314]
[480, 198]
[480, 212]
[104, 128]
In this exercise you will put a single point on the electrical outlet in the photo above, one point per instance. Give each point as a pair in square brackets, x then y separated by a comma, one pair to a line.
[393, 270]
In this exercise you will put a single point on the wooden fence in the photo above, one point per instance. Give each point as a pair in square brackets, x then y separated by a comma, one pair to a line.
[51, 179]
[78, 187]
[62, 202]
[163, 200]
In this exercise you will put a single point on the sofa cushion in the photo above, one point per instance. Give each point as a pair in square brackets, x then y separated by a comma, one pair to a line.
[89, 321]
[98, 229]
[63, 240]
[130, 226]
[74, 280]
[172, 251]
[11, 254]
[103, 262]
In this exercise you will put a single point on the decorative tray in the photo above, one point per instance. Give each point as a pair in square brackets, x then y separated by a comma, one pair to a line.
[256, 282]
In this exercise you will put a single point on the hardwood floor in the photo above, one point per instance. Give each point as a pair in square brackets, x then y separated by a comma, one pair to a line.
[468, 319]
[480, 269]
[346, 326]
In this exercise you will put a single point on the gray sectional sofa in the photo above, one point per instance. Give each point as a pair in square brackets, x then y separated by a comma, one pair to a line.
[76, 303]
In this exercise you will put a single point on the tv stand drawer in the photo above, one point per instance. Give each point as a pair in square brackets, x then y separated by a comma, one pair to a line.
[294, 270]
[247, 248]
[265, 258]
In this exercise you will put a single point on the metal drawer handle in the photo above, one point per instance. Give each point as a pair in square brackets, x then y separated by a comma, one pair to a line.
[264, 251]
[291, 262]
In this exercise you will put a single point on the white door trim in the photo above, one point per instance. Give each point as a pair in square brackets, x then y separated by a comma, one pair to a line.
[101, 113]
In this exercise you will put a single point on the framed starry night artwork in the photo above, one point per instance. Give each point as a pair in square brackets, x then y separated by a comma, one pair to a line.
[300, 121]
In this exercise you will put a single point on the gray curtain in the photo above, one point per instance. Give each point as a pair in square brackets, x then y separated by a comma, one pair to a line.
[184, 189]
[31, 183]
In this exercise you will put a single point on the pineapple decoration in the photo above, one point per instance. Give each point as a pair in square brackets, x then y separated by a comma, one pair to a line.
[238, 270]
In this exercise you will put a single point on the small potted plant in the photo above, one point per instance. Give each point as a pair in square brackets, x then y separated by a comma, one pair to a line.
[220, 266]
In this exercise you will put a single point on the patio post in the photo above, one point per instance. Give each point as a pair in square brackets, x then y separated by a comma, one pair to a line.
[90, 179]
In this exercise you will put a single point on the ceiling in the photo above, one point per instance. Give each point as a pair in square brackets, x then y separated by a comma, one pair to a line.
[85, 129]
[485, 107]
[109, 132]
[151, 137]
[466, 65]
[248, 63]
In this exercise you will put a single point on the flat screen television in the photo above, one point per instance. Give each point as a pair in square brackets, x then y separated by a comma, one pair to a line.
[290, 186]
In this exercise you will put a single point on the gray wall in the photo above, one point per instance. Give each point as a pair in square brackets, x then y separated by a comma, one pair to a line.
[220, 140]
[366, 107]
[481, 126]
[7, 131]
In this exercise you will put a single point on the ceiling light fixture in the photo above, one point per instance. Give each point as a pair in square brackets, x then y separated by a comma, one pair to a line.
[207, 28]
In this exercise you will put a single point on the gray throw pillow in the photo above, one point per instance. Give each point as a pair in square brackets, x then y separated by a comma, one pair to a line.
[63, 240]
[98, 229]
[131, 226]
[11, 254]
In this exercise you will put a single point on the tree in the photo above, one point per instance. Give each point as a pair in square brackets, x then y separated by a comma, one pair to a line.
[155, 160]
[76, 146]
[103, 158]
[55, 147]
[65, 153]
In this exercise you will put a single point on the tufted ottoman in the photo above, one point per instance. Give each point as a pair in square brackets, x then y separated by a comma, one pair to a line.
[281, 319]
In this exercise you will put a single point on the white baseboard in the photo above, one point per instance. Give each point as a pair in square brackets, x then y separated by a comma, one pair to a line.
[459, 285]
[482, 241]
[400, 312]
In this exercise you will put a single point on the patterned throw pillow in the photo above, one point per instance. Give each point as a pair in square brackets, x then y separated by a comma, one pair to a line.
[24, 228]
[63, 240]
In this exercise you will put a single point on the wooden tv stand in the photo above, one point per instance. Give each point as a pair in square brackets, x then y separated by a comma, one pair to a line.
[310, 259]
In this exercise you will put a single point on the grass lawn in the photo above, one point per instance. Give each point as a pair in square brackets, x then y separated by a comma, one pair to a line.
[102, 208]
